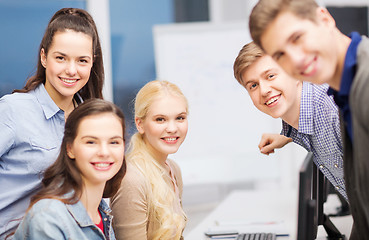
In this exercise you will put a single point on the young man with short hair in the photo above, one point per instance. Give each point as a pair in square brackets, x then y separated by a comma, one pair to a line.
[303, 39]
[309, 116]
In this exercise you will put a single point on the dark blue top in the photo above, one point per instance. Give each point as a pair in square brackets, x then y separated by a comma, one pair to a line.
[341, 97]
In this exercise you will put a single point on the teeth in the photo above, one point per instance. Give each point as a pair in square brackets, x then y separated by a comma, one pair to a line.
[69, 80]
[102, 165]
[272, 100]
[170, 139]
[309, 69]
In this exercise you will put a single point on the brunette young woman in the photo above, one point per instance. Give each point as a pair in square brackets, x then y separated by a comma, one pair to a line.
[69, 71]
[90, 166]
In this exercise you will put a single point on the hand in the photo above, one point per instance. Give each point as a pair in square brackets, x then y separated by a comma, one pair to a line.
[270, 141]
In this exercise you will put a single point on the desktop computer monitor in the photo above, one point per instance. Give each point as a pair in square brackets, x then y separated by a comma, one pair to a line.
[307, 215]
[312, 195]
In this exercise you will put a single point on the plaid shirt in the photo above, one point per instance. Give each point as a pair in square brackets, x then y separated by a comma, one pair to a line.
[319, 132]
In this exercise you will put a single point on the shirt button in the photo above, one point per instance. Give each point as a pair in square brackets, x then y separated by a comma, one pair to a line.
[321, 166]
[336, 165]
[105, 219]
[337, 187]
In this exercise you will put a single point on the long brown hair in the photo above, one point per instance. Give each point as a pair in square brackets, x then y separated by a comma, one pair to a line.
[64, 176]
[77, 20]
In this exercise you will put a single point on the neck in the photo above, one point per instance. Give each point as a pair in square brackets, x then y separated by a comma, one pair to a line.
[293, 114]
[91, 198]
[343, 44]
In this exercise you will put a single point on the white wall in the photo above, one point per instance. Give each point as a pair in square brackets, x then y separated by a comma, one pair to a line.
[224, 126]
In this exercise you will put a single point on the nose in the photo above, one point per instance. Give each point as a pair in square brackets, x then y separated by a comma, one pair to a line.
[265, 88]
[295, 59]
[171, 126]
[103, 150]
[71, 68]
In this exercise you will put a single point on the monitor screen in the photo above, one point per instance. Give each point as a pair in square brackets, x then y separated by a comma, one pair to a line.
[308, 204]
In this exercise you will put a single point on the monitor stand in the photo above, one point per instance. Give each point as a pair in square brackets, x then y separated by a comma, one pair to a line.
[332, 232]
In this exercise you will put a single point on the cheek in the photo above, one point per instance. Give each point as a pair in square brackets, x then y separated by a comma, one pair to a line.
[85, 72]
[255, 99]
[184, 128]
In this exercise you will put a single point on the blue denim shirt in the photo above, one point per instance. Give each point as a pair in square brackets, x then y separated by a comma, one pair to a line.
[31, 131]
[52, 219]
[32, 128]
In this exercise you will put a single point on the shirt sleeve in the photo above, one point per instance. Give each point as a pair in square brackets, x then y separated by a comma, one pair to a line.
[130, 208]
[7, 123]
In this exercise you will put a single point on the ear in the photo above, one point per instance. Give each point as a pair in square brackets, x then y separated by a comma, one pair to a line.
[323, 16]
[43, 57]
[139, 126]
[70, 152]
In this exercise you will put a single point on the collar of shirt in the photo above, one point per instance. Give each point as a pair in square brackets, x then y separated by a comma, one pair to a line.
[341, 97]
[47, 103]
[79, 213]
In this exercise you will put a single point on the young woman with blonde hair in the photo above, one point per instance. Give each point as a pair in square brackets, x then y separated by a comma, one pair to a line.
[148, 203]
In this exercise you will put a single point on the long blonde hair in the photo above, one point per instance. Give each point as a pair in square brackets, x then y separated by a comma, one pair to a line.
[162, 199]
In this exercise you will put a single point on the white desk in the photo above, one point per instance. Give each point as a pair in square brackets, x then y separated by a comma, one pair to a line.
[259, 211]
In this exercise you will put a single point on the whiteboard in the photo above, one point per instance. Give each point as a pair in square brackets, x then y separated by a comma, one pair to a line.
[224, 126]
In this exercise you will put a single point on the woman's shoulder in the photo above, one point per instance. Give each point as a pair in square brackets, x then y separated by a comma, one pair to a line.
[48, 205]
[17, 103]
[134, 176]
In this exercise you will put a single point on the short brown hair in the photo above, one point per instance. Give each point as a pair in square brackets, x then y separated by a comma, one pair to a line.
[265, 11]
[248, 55]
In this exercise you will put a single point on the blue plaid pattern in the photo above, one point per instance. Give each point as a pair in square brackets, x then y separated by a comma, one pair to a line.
[319, 132]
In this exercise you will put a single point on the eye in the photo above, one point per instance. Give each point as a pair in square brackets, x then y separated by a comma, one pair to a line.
[60, 58]
[252, 85]
[278, 56]
[115, 142]
[90, 142]
[83, 61]
[296, 38]
[159, 119]
[181, 118]
[271, 76]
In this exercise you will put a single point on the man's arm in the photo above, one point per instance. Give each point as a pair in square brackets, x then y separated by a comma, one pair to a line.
[271, 141]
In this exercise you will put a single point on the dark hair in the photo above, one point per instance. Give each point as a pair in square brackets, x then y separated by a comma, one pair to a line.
[77, 20]
[64, 176]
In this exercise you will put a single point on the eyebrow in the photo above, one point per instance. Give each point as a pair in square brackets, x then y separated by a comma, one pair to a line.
[163, 115]
[93, 137]
[63, 54]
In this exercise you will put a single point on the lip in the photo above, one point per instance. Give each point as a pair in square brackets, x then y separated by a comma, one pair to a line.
[310, 68]
[274, 99]
[170, 140]
[68, 81]
[102, 166]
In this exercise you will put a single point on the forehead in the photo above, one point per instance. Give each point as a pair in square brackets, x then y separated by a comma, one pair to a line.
[167, 104]
[73, 42]
[259, 68]
[280, 30]
[107, 123]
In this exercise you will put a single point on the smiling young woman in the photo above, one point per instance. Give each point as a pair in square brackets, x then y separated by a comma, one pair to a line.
[90, 167]
[69, 71]
[148, 204]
